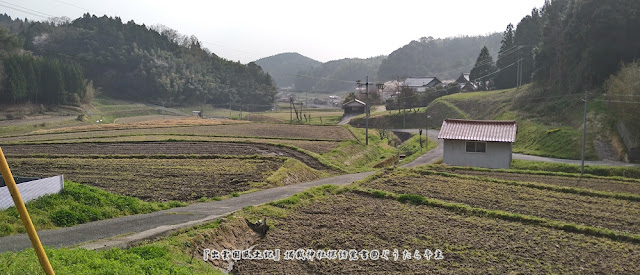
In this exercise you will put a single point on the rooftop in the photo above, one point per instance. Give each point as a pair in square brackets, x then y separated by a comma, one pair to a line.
[354, 102]
[479, 130]
[418, 81]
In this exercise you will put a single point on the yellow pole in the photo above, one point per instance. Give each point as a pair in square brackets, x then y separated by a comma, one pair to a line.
[24, 215]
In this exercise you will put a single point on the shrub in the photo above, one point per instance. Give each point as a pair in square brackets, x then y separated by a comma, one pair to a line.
[67, 217]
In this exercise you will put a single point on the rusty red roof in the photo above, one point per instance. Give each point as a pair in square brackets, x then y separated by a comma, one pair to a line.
[479, 130]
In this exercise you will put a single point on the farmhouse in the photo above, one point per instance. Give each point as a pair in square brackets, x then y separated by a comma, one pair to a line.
[479, 143]
[354, 107]
[465, 84]
[420, 84]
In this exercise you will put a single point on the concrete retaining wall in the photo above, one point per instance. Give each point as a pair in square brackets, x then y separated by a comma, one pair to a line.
[630, 141]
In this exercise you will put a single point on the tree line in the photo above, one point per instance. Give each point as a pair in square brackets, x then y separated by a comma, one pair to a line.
[28, 78]
[567, 46]
[151, 64]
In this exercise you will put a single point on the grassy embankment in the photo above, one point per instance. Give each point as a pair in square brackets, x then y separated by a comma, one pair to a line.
[76, 204]
[547, 126]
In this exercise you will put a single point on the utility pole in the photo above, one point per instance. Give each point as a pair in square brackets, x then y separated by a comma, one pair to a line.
[584, 133]
[366, 108]
[404, 109]
[290, 110]
[426, 128]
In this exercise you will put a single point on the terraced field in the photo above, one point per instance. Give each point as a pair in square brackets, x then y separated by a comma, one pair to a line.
[631, 186]
[156, 179]
[264, 131]
[602, 212]
[470, 244]
[168, 148]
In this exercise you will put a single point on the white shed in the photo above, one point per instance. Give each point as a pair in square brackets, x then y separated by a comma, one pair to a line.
[479, 143]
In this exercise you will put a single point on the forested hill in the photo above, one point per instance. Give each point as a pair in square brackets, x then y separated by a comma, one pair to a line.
[444, 58]
[338, 75]
[132, 61]
[285, 66]
[585, 41]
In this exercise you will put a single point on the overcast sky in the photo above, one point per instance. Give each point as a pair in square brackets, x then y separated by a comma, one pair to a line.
[247, 30]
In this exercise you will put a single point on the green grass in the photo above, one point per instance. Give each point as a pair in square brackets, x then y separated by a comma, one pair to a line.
[159, 258]
[293, 171]
[597, 170]
[534, 138]
[355, 156]
[412, 150]
[111, 109]
[540, 131]
[76, 204]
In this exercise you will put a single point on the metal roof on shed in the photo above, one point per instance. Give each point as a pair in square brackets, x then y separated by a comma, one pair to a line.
[354, 103]
[479, 130]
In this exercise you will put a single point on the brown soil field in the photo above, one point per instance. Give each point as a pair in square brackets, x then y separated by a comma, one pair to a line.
[470, 244]
[255, 130]
[610, 213]
[141, 122]
[169, 148]
[315, 146]
[601, 184]
[155, 179]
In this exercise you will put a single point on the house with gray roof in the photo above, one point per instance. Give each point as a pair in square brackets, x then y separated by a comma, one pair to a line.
[420, 84]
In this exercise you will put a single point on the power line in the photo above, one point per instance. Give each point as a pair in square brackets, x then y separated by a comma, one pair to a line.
[78, 7]
[495, 71]
[510, 51]
[24, 11]
[25, 8]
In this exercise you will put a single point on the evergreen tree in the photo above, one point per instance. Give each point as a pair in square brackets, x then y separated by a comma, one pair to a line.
[482, 72]
[505, 76]
[527, 36]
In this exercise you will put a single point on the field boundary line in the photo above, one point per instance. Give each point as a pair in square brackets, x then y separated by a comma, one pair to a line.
[536, 185]
[537, 172]
[503, 215]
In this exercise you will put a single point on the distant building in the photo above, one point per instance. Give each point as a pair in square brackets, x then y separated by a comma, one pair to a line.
[420, 84]
[478, 143]
[465, 84]
[354, 107]
[196, 113]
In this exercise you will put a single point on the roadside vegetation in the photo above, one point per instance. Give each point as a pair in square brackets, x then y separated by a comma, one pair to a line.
[76, 204]
[540, 132]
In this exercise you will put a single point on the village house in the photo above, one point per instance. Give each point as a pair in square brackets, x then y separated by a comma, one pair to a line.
[478, 143]
[420, 84]
[465, 84]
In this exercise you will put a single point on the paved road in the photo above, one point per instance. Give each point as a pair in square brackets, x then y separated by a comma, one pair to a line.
[130, 230]
[436, 154]
[430, 156]
[127, 231]
[346, 118]
[573, 161]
